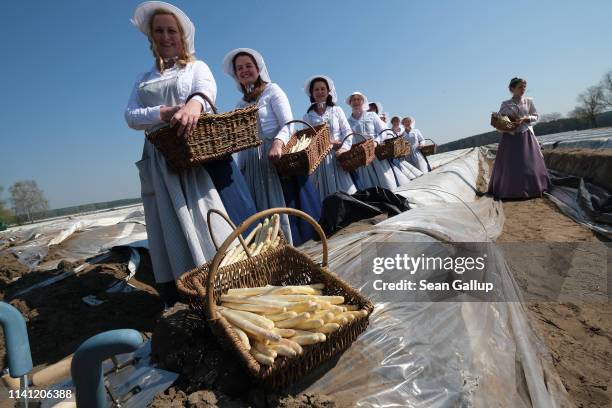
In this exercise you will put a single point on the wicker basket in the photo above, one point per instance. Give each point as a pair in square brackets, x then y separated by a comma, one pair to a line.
[304, 162]
[397, 146]
[501, 124]
[283, 265]
[216, 135]
[360, 154]
[429, 149]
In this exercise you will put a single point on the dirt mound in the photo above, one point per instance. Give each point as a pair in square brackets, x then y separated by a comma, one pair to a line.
[208, 375]
[579, 335]
[595, 165]
[59, 321]
[10, 269]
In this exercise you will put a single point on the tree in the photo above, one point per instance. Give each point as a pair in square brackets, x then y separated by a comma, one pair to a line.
[28, 200]
[591, 103]
[606, 83]
[549, 117]
[6, 215]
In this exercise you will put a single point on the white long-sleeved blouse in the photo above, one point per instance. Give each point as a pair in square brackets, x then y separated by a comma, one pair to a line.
[338, 124]
[415, 138]
[519, 109]
[194, 77]
[369, 124]
[274, 112]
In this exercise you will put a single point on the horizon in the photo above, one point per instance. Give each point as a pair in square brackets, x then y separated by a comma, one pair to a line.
[448, 66]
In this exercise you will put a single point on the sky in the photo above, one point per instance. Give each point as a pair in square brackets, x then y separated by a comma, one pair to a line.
[69, 68]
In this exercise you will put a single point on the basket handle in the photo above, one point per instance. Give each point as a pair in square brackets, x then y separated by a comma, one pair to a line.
[355, 133]
[214, 267]
[226, 218]
[388, 130]
[430, 141]
[303, 122]
[206, 98]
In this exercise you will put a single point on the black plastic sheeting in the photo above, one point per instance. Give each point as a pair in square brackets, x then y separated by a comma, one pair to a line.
[594, 200]
[341, 209]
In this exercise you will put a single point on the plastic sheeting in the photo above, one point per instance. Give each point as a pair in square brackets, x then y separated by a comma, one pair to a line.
[424, 354]
[97, 232]
[138, 377]
[589, 139]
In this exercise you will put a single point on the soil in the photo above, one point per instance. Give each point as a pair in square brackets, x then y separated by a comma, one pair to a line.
[578, 334]
[59, 321]
[595, 165]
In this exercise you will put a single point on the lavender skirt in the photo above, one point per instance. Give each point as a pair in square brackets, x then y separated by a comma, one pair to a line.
[519, 170]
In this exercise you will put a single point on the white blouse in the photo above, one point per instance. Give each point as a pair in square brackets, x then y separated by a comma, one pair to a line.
[415, 138]
[274, 112]
[524, 107]
[369, 124]
[338, 124]
[194, 77]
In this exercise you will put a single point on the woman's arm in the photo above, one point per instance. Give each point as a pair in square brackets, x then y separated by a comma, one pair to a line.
[533, 113]
[379, 126]
[202, 82]
[136, 115]
[279, 104]
[345, 128]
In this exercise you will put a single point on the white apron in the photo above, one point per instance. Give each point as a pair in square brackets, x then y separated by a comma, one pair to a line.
[176, 203]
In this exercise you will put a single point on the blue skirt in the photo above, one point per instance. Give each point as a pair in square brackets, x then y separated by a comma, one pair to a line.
[299, 193]
[232, 189]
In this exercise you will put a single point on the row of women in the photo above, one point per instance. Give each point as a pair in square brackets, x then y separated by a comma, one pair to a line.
[176, 203]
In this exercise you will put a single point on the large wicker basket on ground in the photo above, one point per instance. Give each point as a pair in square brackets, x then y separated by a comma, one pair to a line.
[360, 154]
[304, 162]
[397, 146]
[429, 149]
[284, 265]
[502, 123]
[216, 135]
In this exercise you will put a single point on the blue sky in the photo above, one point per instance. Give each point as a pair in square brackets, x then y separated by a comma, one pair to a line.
[69, 67]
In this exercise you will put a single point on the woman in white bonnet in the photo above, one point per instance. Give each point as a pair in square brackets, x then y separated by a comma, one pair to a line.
[329, 177]
[379, 173]
[176, 203]
[415, 138]
[249, 70]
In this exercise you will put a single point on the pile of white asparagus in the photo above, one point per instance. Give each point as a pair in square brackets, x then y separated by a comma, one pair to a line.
[274, 321]
[302, 143]
[262, 238]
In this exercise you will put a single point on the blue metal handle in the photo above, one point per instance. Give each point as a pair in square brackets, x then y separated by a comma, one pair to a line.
[86, 368]
[17, 342]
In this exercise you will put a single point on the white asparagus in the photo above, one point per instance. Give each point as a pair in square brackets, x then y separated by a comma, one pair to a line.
[283, 350]
[306, 340]
[337, 309]
[262, 358]
[265, 350]
[238, 250]
[247, 307]
[275, 290]
[290, 323]
[328, 328]
[340, 320]
[310, 324]
[324, 315]
[281, 316]
[358, 313]
[334, 300]
[249, 327]
[243, 337]
[259, 320]
[253, 300]
[303, 306]
[284, 332]
[351, 307]
[290, 343]
[319, 286]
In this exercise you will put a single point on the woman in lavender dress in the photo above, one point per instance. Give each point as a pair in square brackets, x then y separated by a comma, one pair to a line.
[519, 170]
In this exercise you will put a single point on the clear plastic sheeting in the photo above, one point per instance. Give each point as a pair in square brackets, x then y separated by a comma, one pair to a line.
[97, 232]
[136, 377]
[447, 354]
[454, 181]
[600, 138]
